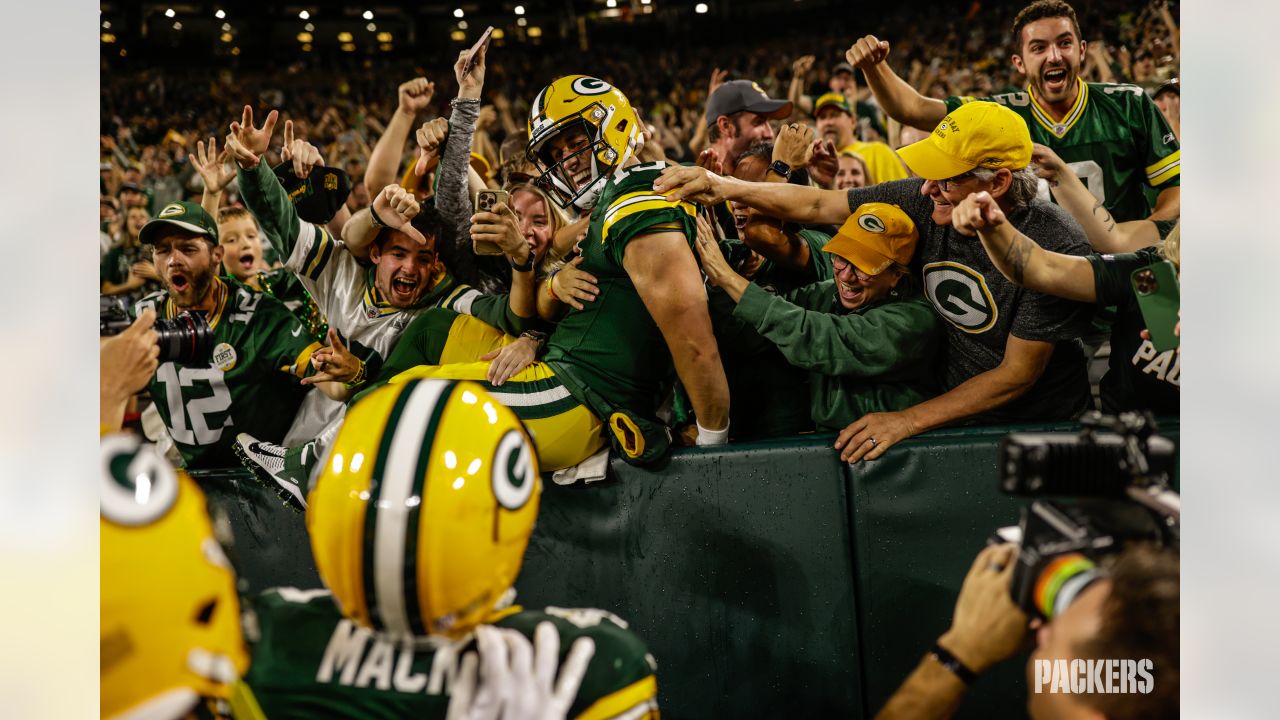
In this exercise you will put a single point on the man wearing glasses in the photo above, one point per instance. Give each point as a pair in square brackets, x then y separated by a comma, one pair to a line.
[1011, 355]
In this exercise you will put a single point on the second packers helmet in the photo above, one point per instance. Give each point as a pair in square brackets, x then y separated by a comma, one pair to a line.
[423, 508]
[170, 617]
[612, 130]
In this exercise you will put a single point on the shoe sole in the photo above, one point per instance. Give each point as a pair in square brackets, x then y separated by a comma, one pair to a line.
[288, 492]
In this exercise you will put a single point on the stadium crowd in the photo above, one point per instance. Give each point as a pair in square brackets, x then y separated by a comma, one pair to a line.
[873, 235]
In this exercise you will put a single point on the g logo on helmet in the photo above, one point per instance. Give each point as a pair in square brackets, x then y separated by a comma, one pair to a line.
[590, 86]
[871, 223]
[960, 294]
[513, 473]
[138, 486]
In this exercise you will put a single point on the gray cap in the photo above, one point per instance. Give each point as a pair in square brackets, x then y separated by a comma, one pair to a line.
[842, 67]
[738, 95]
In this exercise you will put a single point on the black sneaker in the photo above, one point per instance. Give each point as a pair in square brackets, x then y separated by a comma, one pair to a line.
[286, 470]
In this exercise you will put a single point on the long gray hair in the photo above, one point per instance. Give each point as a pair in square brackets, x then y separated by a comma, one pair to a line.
[1022, 187]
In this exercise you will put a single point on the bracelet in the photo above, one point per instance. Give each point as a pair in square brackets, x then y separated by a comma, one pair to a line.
[359, 379]
[949, 661]
[463, 101]
[551, 292]
[377, 221]
[712, 437]
[526, 266]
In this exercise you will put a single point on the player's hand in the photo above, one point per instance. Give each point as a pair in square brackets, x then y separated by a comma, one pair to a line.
[987, 626]
[867, 52]
[471, 85]
[415, 95]
[501, 227]
[246, 142]
[128, 360]
[1046, 163]
[431, 138]
[303, 154]
[514, 679]
[333, 363]
[713, 263]
[794, 145]
[397, 207]
[212, 166]
[694, 184]
[144, 270]
[977, 213]
[575, 286]
[508, 360]
[802, 65]
[868, 437]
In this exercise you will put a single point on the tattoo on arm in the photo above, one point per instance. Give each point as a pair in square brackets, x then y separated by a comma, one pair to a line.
[1104, 215]
[1017, 256]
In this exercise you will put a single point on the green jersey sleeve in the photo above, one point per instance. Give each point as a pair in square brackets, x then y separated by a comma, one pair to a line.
[267, 200]
[1163, 163]
[637, 213]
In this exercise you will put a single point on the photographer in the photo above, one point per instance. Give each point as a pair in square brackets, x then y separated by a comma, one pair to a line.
[1130, 613]
[126, 363]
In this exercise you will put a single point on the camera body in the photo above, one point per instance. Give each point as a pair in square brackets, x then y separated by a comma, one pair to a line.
[185, 339]
[1118, 485]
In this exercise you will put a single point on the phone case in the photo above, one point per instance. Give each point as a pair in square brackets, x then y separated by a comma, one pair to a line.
[1157, 289]
[485, 200]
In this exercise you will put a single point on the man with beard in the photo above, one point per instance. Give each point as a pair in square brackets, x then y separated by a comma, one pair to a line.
[835, 121]
[260, 350]
[738, 115]
[1113, 136]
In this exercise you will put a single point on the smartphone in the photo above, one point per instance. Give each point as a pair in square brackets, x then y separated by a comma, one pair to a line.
[471, 56]
[485, 200]
[1157, 289]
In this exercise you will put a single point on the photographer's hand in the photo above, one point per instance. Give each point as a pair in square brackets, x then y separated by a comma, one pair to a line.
[126, 364]
[987, 626]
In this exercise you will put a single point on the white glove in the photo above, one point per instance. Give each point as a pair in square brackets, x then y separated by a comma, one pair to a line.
[515, 680]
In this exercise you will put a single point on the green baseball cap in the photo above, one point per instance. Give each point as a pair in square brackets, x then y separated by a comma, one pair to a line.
[186, 215]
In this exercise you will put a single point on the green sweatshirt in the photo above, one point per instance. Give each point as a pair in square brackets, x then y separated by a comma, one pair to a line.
[878, 358]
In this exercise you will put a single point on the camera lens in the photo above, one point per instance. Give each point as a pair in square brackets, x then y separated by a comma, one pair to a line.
[185, 339]
[1145, 282]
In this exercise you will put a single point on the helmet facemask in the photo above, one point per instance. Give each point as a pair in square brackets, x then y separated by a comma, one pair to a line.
[603, 159]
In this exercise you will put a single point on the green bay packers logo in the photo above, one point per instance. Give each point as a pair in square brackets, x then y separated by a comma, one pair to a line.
[871, 223]
[172, 209]
[513, 473]
[590, 86]
[138, 486]
[959, 293]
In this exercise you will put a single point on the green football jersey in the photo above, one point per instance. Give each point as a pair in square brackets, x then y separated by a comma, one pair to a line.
[309, 661]
[1114, 138]
[612, 345]
[247, 386]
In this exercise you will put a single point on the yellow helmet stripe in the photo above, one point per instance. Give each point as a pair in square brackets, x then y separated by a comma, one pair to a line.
[389, 491]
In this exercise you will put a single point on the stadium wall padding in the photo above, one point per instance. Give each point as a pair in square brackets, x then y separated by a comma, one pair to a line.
[767, 579]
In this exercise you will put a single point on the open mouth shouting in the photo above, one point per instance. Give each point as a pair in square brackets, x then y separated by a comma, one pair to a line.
[247, 262]
[179, 282]
[403, 290]
[850, 294]
[1054, 79]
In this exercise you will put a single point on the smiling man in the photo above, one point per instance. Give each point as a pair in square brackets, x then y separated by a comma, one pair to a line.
[1011, 355]
[1113, 136]
[259, 348]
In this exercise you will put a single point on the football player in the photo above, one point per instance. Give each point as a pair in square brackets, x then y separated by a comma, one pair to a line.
[1113, 136]
[260, 350]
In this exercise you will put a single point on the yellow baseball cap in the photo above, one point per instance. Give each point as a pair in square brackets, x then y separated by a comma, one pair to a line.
[874, 237]
[832, 98]
[977, 134]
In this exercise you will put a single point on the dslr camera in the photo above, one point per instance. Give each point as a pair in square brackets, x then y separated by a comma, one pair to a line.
[1111, 487]
[185, 339]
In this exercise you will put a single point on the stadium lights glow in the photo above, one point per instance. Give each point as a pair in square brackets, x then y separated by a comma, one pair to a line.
[344, 37]
[306, 47]
[106, 24]
[235, 51]
[700, 8]
[309, 27]
[177, 25]
[368, 15]
[498, 34]
[457, 36]
[169, 13]
[348, 47]
[521, 22]
[458, 13]
[462, 24]
[108, 38]
[519, 9]
[644, 2]
[225, 37]
[304, 37]
[611, 3]
[220, 14]
[226, 27]
[370, 27]
[384, 37]
[304, 15]
[535, 32]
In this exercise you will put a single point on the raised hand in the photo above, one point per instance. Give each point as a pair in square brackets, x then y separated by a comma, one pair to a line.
[431, 137]
[866, 52]
[717, 79]
[304, 155]
[415, 95]
[502, 227]
[802, 65]
[212, 166]
[471, 85]
[246, 142]
[144, 270]
[977, 213]
[794, 145]
[334, 363]
[396, 208]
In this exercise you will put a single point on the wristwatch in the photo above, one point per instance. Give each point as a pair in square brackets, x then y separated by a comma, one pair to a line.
[526, 266]
[782, 169]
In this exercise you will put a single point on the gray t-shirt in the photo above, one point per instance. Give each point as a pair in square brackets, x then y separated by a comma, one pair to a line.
[981, 308]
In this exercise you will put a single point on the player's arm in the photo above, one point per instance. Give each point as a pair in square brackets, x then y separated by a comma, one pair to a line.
[801, 204]
[666, 276]
[1018, 257]
[899, 100]
[1102, 230]
[1168, 204]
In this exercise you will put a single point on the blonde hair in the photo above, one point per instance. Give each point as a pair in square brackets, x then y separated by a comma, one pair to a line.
[554, 214]
[1171, 248]
[232, 212]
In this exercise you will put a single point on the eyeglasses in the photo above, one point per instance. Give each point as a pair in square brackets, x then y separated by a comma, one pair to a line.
[839, 265]
[945, 185]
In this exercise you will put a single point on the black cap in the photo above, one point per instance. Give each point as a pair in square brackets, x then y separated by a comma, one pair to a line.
[131, 186]
[842, 67]
[318, 196]
[1172, 86]
[738, 95]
